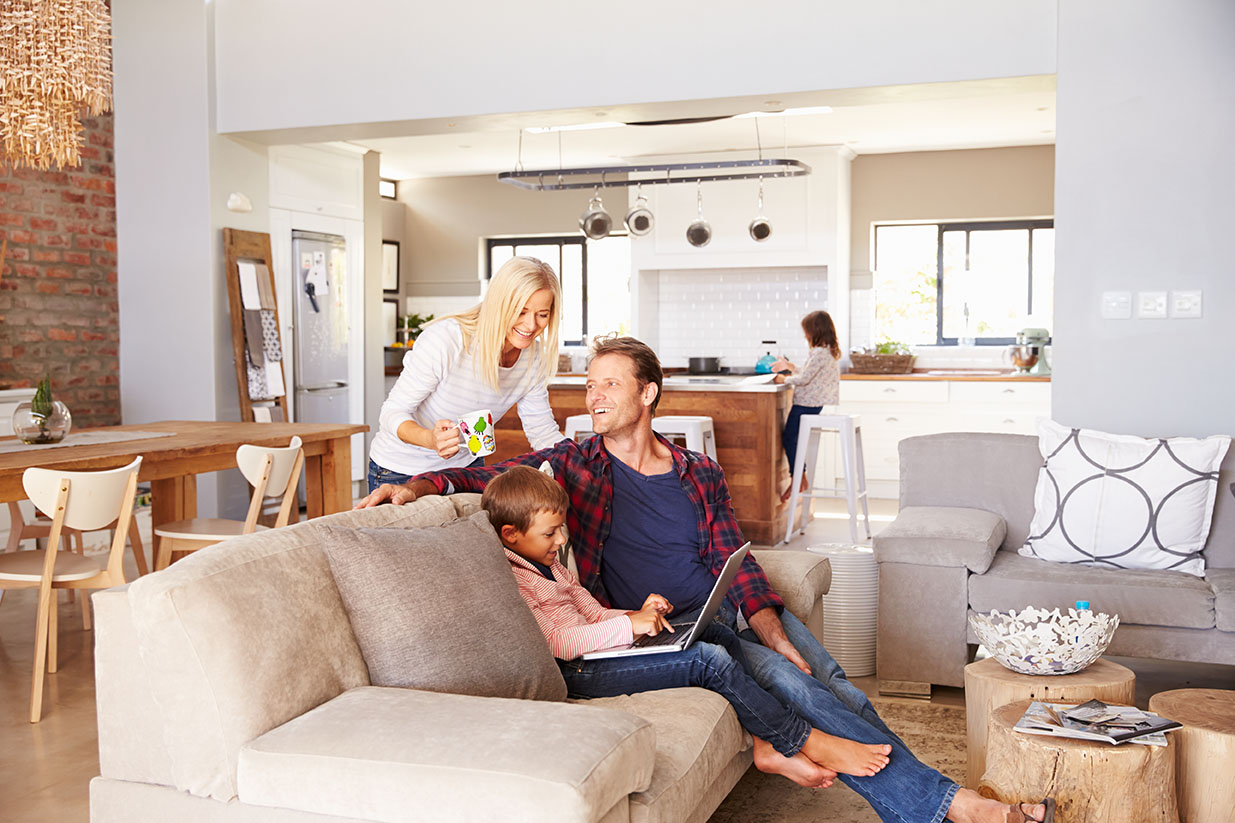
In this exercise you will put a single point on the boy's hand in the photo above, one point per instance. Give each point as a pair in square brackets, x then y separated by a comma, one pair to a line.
[658, 603]
[648, 621]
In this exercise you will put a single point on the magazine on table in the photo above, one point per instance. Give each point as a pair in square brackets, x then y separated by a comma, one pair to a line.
[1095, 720]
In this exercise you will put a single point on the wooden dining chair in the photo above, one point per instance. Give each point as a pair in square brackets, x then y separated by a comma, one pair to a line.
[20, 529]
[80, 500]
[270, 471]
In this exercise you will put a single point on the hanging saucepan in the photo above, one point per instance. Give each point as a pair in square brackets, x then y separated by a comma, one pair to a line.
[760, 229]
[699, 232]
[639, 219]
[596, 222]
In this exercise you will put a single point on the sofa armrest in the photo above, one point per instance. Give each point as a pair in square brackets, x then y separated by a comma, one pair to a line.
[942, 536]
[800, 578]
[449, 757]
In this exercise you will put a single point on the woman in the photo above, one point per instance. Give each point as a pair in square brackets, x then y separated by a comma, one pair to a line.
[492, 356]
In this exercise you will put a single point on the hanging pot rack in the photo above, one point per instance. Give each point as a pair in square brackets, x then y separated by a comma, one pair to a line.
[590, 178]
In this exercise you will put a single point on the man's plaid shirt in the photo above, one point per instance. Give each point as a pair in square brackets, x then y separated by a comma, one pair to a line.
[584, 470]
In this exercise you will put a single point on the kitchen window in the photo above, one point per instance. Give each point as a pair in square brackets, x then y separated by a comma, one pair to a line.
[963, 283]
[595, 277]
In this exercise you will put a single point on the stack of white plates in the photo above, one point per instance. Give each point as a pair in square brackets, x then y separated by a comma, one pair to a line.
[851, 607]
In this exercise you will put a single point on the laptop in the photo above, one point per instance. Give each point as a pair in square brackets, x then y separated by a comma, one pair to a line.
[686, 633]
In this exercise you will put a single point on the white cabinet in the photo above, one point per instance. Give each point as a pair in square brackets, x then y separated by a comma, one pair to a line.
[892, 410]
[317, 180]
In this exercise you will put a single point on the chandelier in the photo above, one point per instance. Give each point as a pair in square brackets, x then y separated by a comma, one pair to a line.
[55, 64]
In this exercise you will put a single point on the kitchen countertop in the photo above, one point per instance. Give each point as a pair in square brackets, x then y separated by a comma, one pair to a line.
[952, 374]
[710, 382]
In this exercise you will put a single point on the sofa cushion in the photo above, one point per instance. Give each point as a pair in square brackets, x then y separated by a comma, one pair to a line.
[941, 536]
[1123, 502]
[1154, 598]
[399, 754]
[697, 737]
[1223, 583]
[437, 608]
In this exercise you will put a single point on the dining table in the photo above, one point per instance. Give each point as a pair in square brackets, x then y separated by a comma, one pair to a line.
[174, 452]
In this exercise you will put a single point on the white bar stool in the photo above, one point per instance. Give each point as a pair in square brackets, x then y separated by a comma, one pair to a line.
[696, 430]
[810, 427]
[579, 424]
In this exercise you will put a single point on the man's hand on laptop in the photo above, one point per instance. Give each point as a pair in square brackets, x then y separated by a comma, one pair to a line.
[398, 495]
[766, 623]
[648, 620]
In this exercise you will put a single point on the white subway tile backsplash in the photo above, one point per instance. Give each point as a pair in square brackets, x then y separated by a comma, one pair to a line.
[728, 312]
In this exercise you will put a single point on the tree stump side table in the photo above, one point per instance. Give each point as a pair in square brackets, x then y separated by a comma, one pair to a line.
[989, 685]
[1204, 751]
[1091, 782]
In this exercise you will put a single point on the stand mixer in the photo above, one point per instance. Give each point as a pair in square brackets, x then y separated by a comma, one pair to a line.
[1029, 352]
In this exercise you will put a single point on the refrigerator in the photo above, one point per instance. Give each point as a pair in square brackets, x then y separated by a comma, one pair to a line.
[320, 335]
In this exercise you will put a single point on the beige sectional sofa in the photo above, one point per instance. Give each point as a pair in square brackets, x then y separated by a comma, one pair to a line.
[230, 687]
[966, 503]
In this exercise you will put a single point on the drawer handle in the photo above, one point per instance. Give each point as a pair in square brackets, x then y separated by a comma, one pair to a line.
[892, 420]
[1008, 420]
[1009, 391]
[892, 391]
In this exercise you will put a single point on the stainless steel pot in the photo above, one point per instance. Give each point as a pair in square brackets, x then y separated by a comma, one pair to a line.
[703, 365]
[699, 233]
[596, 222]
[639, 219]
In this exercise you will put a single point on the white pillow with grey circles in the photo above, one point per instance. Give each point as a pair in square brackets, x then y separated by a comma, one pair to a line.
[1122, 502]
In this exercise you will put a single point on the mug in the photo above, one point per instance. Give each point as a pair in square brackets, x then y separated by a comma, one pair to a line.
[479, 437]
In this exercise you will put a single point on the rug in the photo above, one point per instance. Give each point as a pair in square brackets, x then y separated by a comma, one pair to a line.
[936, 734]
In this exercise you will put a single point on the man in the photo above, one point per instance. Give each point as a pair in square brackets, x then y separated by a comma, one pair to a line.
[662, 520]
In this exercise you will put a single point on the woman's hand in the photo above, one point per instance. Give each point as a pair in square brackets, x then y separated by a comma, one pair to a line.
[783, 365]
[780, 378]
[446, 438]
[648, 621]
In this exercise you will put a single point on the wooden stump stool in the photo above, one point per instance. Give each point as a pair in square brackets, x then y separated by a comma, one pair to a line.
[989, 685]
[1092, 782]
[1204, 751]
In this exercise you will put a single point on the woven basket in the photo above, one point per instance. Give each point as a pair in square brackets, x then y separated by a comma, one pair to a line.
[881, 363]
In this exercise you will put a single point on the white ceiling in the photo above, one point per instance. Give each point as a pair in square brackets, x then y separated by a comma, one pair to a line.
[979, 114]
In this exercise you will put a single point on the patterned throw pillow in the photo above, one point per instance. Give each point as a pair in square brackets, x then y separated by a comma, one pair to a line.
[1122, 502]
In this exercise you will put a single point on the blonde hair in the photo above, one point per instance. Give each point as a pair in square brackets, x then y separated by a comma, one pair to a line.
[517, 495]
[488, 323]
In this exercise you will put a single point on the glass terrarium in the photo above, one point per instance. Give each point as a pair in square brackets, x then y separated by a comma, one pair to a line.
[43, 419]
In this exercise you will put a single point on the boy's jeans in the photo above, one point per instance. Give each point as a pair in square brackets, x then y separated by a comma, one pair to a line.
[706, 663]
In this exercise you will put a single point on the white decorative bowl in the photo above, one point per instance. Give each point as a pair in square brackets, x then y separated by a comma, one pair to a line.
[1040, 642]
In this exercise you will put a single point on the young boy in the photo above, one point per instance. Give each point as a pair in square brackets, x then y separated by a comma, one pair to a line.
[528, 510]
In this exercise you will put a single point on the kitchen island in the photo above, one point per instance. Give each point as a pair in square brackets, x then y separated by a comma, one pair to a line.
[747, 420]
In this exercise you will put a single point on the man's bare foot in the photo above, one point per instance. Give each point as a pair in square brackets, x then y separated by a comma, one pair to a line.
[799, 768]
[846, 756]
[970, 807]
[784, 496]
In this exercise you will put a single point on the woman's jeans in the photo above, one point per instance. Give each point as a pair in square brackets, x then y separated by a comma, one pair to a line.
[790, 436]
[379, 475]
[715, 663]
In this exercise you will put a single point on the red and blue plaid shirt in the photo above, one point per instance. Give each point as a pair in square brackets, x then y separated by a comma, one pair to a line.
[584, 470]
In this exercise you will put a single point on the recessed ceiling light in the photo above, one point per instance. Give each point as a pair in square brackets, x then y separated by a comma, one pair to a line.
[450, 125]
[1044, 108]
[1048, 131]
[575, 127]
[771, 102]
[786, 112]
[464, 146]
[602, 113]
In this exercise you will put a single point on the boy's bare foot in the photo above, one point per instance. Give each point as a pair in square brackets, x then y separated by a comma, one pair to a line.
[784, 496]
[799, 768]
[970, 807]
[846, 756]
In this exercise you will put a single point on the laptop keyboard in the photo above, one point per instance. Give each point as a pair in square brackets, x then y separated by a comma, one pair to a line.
[664, 638]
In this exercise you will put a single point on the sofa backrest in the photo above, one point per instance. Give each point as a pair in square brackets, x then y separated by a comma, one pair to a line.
[998, 473]
[246, 635]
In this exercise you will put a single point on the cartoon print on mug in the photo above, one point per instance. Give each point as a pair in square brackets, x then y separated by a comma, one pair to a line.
[478, 433]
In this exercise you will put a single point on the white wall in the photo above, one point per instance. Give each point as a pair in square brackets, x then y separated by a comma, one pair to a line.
[374, 61]
[1143, 201]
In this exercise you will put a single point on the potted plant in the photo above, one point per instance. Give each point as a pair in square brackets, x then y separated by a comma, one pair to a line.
[889, 357]
[42, 419]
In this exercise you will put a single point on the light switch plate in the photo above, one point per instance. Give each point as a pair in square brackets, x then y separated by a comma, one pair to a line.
[1151, 304]
[1116, 305]
[1186, 304]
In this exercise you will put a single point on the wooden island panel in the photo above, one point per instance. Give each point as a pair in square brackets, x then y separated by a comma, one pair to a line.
[747, 426]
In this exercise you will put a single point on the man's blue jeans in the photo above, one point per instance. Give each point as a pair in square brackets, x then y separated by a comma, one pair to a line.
[707, 663]
[906, 790]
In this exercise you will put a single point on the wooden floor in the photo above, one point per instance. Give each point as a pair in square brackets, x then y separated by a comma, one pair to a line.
[45, 768]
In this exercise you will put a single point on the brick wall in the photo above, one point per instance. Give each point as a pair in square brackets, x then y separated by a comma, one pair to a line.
[58, 307]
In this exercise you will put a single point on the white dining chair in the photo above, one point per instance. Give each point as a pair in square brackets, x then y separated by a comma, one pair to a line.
[80, 500]
[271, 471]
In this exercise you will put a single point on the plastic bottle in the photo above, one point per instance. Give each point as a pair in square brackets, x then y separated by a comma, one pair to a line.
[1082, 605]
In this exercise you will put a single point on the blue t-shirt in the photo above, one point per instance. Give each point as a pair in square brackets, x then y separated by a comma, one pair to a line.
[653, 545]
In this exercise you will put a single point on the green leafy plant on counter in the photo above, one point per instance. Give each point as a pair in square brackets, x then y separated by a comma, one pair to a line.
[890, 347]
[42, 407]
[414, 323]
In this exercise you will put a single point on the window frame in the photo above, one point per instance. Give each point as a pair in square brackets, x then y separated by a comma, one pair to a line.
[560, 240]
[969, 226]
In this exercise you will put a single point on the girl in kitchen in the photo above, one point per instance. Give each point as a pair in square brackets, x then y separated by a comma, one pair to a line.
[495, 355]
[815, 385]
